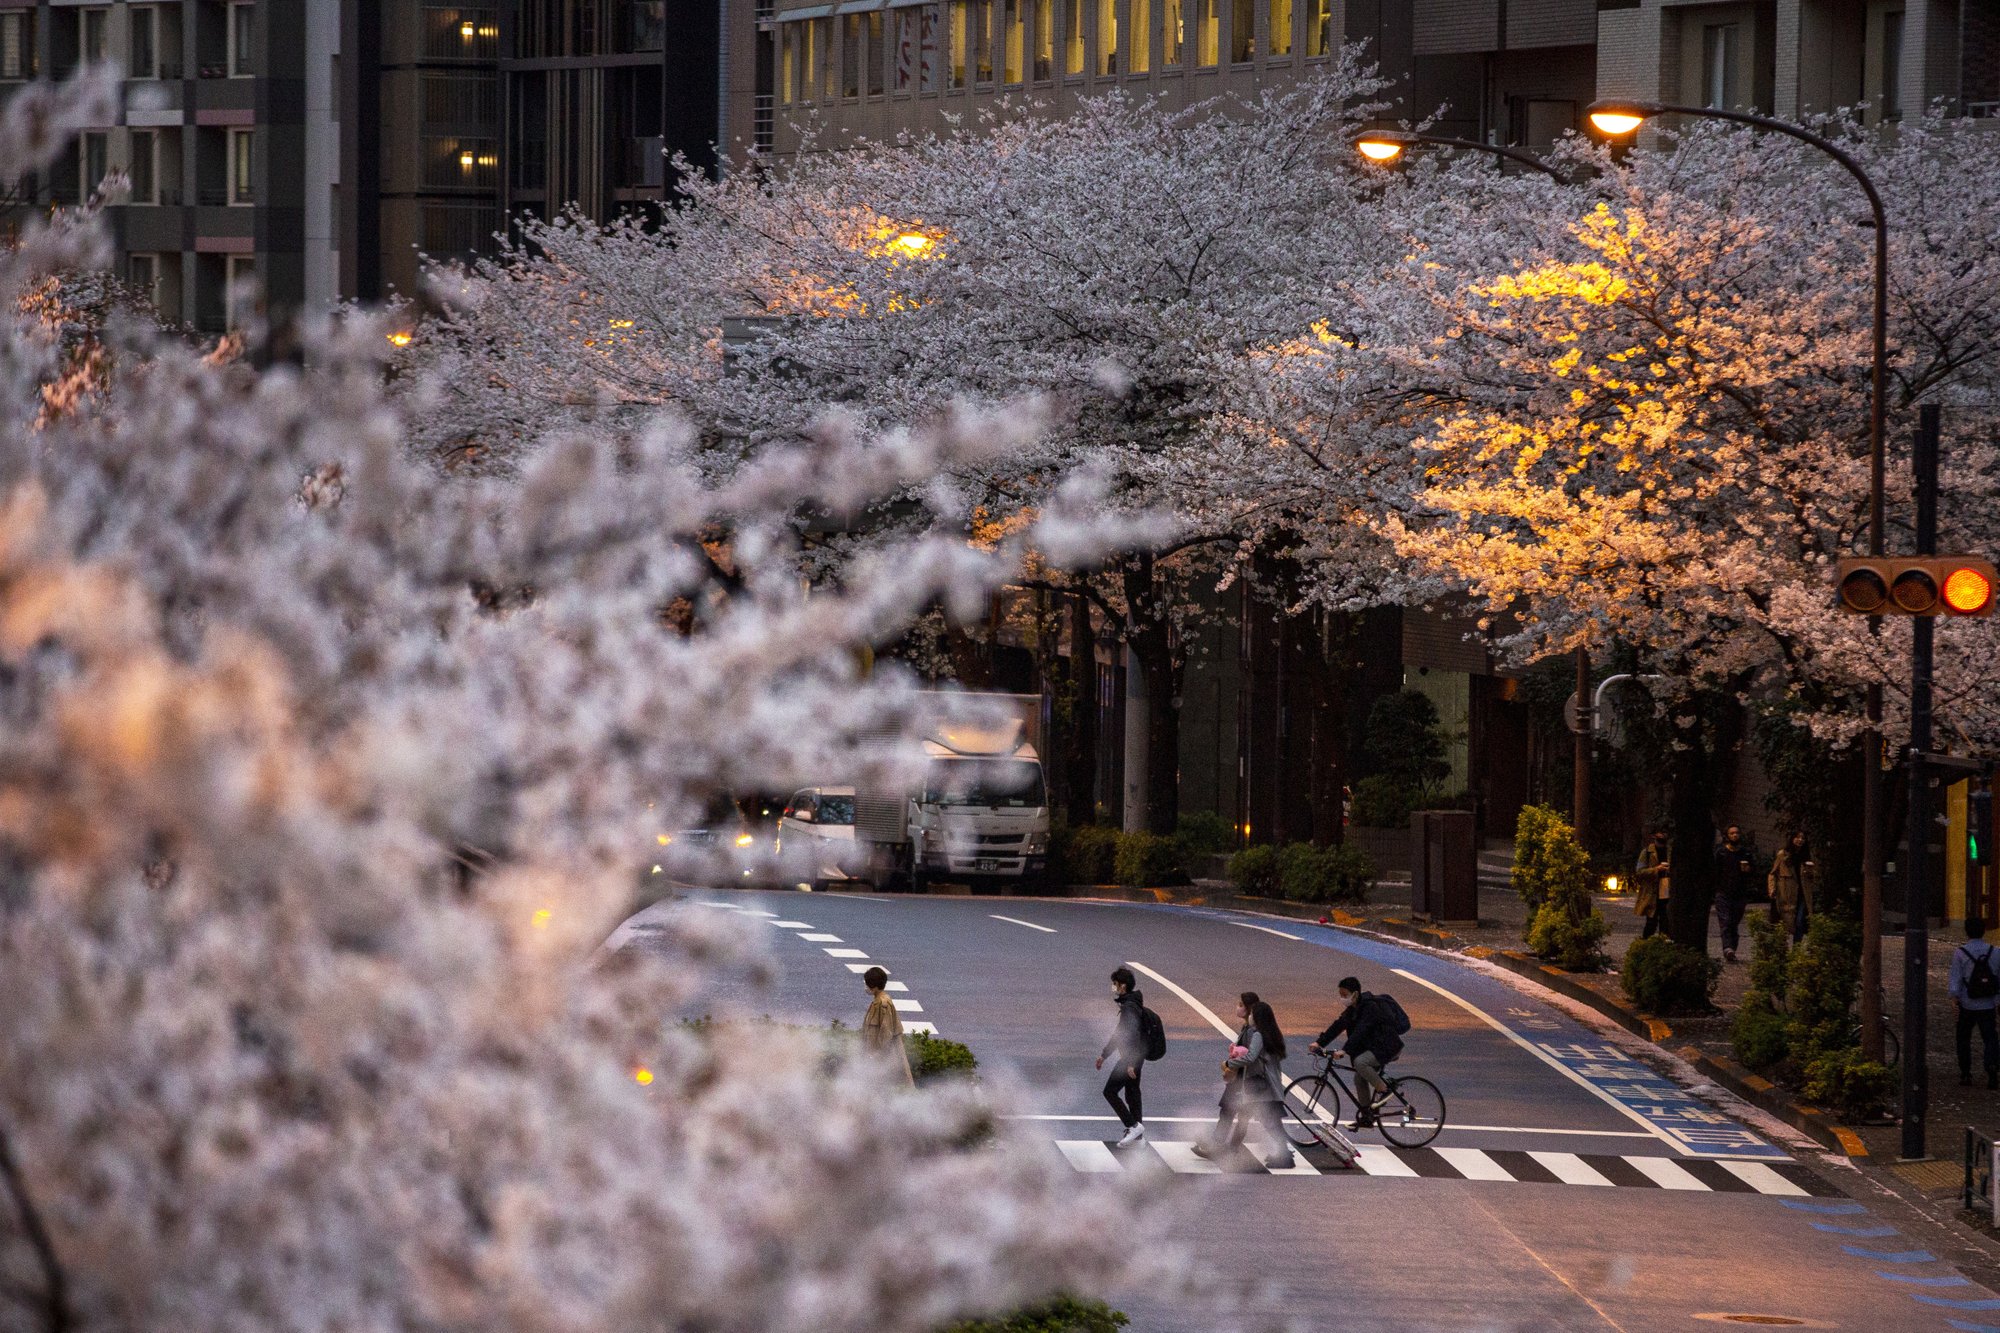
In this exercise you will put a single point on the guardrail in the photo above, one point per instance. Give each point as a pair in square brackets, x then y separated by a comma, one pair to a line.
[1977, 1195]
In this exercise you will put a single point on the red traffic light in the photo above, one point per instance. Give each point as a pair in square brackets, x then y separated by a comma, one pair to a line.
[1928, 585]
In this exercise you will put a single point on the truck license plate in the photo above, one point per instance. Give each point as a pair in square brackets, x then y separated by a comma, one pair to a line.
[988, 863]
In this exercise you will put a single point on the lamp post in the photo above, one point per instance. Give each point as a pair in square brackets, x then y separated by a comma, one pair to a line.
[1387, 146]
[1618, 119]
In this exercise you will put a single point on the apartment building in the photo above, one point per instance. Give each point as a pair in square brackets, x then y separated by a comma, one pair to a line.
[230, 182]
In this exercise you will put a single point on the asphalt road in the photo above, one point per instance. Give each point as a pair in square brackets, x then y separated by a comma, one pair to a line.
[1564, 1196]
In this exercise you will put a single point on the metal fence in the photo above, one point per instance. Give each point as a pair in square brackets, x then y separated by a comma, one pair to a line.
[1978, 1192]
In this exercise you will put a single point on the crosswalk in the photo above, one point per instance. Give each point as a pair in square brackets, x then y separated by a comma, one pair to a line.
[1601, 1170]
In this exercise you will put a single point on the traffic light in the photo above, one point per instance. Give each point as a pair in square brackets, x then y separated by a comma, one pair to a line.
[1917, 585]
[1979, 827]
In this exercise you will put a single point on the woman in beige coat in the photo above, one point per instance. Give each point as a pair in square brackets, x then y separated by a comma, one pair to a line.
[882, 1028]
[1794, 883]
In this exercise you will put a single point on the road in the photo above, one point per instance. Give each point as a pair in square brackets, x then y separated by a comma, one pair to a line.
[1574, 1190]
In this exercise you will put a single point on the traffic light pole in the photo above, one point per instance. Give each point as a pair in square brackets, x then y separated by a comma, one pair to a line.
[1916, 879]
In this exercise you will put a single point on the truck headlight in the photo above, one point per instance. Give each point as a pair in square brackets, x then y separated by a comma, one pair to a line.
[1037, 844]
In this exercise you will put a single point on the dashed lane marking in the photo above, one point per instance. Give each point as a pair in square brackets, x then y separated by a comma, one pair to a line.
[1297, 939]
[821, 938]
[846, 953]
[1016, 921]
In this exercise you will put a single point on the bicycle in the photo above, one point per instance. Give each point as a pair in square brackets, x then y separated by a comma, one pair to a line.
[1409, 1116]
[1892, 1046]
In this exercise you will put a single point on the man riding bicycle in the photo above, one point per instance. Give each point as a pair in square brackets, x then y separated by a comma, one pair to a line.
[1372, 1042]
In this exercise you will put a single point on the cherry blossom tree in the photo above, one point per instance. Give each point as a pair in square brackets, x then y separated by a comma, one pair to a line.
[325, 775]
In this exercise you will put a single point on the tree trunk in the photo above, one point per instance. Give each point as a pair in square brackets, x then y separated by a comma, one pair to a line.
[1150, 638]
[1081, 754]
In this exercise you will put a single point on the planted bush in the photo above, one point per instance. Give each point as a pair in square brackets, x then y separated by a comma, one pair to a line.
[1840, 1078]
[1204, 833]
[1085, 854]
[1663, 977]
[1770, 955]
[933, 1056]
[1757, 1033]
[1147, 858]
[1309, 874]
[1552, 875]
[1382, 801]
[1254, 870]
[1065, 1314]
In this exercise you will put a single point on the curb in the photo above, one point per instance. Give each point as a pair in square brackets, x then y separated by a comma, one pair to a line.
[1765, 1096]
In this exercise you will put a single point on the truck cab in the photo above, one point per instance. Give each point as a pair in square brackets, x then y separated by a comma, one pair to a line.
[980, 814]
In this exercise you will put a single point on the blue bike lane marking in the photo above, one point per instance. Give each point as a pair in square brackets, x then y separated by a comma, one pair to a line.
[1683, 1121]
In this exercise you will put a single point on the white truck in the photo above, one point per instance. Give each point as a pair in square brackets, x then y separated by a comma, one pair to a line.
[981, 814]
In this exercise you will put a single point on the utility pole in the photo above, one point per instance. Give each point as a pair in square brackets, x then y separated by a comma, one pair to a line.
[1580, 797]
[1916, 880]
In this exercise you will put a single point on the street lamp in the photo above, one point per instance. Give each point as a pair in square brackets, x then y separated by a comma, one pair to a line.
[1386, 146]
[1616, 119]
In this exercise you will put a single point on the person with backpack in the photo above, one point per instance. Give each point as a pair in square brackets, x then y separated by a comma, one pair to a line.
[1373, 1025]
[1975, 988]
[1139, 1037]
[1253, 1083]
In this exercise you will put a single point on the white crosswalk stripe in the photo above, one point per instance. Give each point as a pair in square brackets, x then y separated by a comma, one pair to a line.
[1473, 1164]
[1763, 1179]
[1569, 1168]
[1666, 1173]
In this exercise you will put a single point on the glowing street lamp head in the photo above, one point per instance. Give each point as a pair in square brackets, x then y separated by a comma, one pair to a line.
[1379, 147]
[913, 243]
[399, 338]
[1615, 120]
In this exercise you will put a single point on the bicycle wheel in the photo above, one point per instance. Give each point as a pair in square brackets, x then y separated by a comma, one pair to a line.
[1413, 1112]
[1309, 1102]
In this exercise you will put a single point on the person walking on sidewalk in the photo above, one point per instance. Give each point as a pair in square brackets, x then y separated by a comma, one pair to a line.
[1649, 877]
[882, 1028]
[1735, 875]
[1253, 1082]
[1372, 1042]
[1127, 1052]
[1794, 884]
[1975, 988]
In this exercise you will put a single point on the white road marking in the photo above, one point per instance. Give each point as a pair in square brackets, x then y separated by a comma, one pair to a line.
[1268, 931]
[751, 911]
[1151, 1119]
[907, 1006]
[1549, 1060]
[1472, 1164]
[921, 1027]
[1667, 1173]
[821, 939]
[846, 953]
[1299, 1167]
[1089, 1155]
[792, 925]
[899, 988]
[1530, 1129]
[1013, 921]
[863, 967]
[1379, 1161]
[1180, 1157]
[1763, 1179]
[1186, 998]
[1448, 1129]
[1570, 1169]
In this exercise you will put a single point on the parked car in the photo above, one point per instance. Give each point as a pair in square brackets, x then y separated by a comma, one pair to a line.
[735, 842]
[816, 844]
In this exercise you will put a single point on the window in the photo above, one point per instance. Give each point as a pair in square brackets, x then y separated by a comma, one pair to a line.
[1073, 37]
[141, 169]
[1242, 30]
[239, 288]
[142, 55]
[241, 62]
[17, 44]
[982, 41]
[1207, 33]
[1281, 27]
[878, 50]
[788, 46]
[94, 152]
[93, 36]
[1014, 783]
[961, 22]
[809, 86]
[850, 57]
[908, 41]
[1718, 65]
[242, 158]
[824, 85]
[1107, 36]
[142, 274]
[1013, 41]
[1139, 42]
[1172, 33]
[1045, 39]
[1890, 95]
[1319, 24]
[451, 33]
[645, 25]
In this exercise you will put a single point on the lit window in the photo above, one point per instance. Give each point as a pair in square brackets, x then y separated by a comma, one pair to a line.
[1319, 24]
[1013, 40]
[1073, 38]
[1242, 31]
[878, 55]
[242, 160]
[850, 57]
[239, 288]
[1139, 42]
[1281, 27]
[809, 84]
[1172, 33]
[241, 62]
[960, 21]
[1107, 36]
[17, 44]
[787, 71]
[982, 41]
[1207, 33]
[1045, 39]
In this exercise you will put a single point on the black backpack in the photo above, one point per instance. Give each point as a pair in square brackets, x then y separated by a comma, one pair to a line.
[1392, 1013]
[1983, 984]
[1154, 1031]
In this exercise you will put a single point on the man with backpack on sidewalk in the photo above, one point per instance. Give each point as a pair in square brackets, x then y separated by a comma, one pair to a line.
[1374, 1025]
[1975, 987]
[1139, 1037]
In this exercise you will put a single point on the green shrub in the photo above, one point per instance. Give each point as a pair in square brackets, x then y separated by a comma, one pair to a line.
[1065, 1314]
[1758, 1032]
[1083, 855]
[1823, 979]
[1254, 870]
[1663, 977]
[1382, 801]
[1841, 1079]
[1204, 833]
[1147, 858]
[1309, 874]
[1575, 945]
[1770, 956]
[1406, 742]
[937, 1057]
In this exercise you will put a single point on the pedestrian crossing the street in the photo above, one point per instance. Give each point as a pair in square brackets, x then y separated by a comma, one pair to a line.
[1694, 1175]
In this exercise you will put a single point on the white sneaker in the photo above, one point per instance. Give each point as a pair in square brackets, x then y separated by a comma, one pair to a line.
[1132, 1136]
